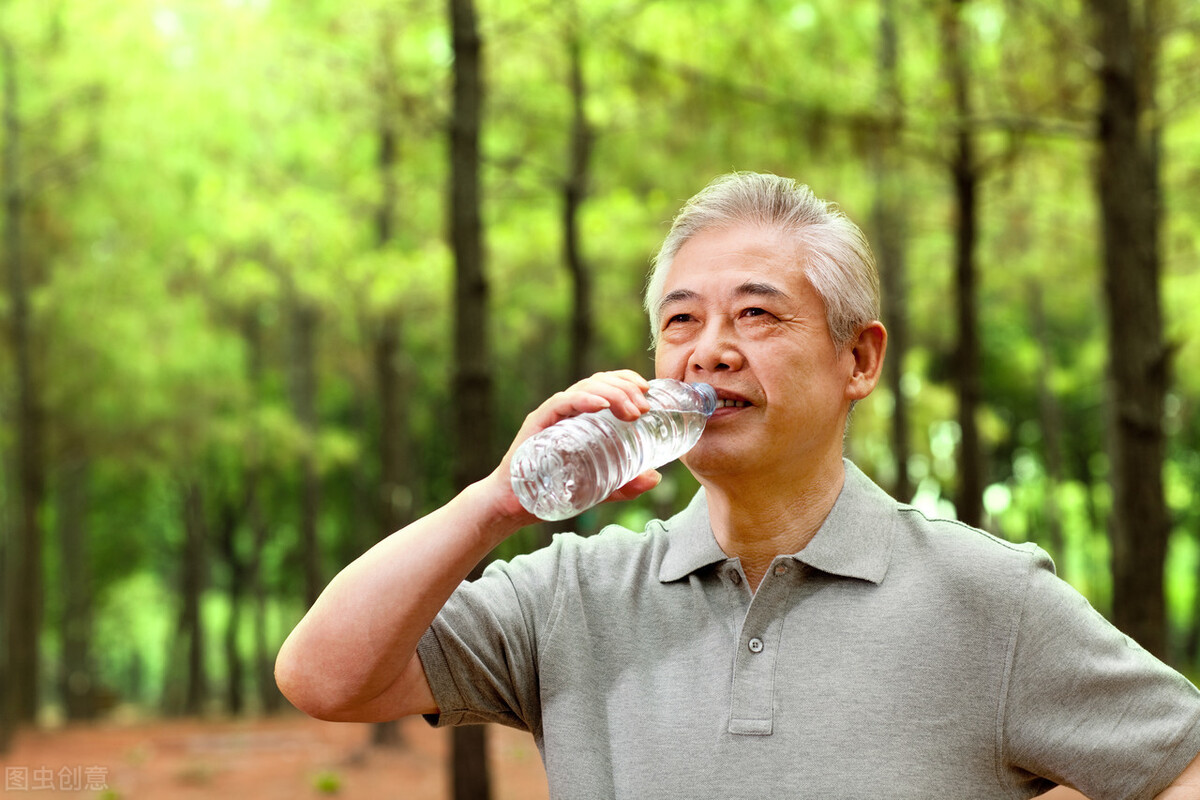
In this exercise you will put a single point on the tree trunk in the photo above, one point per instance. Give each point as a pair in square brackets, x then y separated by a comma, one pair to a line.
[6, 712]
[264, 674]
[575, 190]
[395, 509]
[386, 157]
[472, 377]
[23, 583]
[890, 230]
[1191, 641]
[394, 506]
[965, 176]
[192, 580]
[304, 396]
[76, 687]
[1051, 424]
[1138, 372]
[269, 696]
[227, 545]
[395, 497]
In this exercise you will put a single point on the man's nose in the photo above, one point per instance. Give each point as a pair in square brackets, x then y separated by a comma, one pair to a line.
[716, 350]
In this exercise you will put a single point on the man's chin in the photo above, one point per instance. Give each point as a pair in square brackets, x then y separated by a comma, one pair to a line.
[707, 459]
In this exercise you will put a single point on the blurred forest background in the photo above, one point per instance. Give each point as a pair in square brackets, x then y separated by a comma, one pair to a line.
[279, 276]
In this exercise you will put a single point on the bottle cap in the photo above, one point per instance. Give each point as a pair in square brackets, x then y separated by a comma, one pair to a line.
[708, 395]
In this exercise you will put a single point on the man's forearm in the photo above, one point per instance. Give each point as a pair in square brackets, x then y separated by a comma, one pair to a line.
[1186, 786]
[357, 639]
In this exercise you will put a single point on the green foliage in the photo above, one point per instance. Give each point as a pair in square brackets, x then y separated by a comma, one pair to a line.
[327, 782]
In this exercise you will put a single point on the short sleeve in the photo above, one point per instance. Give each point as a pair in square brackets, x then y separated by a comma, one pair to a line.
[1086, 706]
[480, 652]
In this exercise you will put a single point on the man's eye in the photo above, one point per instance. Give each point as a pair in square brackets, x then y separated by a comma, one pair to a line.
[679, 318]
[754, 312]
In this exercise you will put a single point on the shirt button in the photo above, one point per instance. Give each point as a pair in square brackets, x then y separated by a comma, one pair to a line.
[781, 569]
[736, 577]
[756, 645]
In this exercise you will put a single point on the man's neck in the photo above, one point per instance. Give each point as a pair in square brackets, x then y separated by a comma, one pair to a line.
[755, 521]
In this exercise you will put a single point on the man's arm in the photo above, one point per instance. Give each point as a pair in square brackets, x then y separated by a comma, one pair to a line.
[353, 656]
[1186, 786]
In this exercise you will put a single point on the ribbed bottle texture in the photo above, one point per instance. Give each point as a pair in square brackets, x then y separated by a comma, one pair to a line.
[577, 462]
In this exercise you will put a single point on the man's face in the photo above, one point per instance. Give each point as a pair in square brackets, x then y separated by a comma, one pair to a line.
[738, 312]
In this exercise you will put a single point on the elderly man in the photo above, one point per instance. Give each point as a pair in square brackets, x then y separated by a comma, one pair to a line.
[794, 631]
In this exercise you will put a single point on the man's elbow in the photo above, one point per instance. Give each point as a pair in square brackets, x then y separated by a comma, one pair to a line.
[305, 687]
[316, 692]
[296, 684]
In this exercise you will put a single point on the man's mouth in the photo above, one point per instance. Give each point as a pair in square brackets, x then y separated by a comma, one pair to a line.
[729, 402]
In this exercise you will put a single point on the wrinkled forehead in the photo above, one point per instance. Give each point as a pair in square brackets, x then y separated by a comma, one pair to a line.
[736, 262]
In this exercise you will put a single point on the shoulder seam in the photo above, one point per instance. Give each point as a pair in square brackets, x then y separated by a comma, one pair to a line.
[1024, 548]
[1003, 690]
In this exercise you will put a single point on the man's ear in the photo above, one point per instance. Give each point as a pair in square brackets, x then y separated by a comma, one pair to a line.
[868, 349]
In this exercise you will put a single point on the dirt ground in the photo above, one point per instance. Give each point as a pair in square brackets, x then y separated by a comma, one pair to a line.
[284, 758]
[289, 757]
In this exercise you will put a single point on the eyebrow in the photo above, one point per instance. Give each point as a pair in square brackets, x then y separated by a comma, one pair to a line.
[676, 296]
[747, 289]
[757, 289]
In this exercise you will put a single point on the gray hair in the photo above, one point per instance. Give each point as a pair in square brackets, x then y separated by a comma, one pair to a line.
[837, 258]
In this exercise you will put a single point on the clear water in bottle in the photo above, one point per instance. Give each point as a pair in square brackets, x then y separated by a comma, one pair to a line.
[578, 462]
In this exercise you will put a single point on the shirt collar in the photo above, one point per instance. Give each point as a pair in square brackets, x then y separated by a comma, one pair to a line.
[690, 542]
[855, 541]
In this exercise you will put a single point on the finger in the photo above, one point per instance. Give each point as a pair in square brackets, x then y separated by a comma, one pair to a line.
[572, 402]
[621, 391]
[585, 397]
[624, 389]
[638, 486]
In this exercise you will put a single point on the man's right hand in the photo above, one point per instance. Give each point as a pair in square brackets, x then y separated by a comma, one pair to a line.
[622, 392]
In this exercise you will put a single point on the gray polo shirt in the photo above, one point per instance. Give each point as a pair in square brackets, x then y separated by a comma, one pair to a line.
[896, 656]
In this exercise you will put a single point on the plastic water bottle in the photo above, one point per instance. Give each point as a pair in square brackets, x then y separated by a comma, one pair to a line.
[579, 461]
